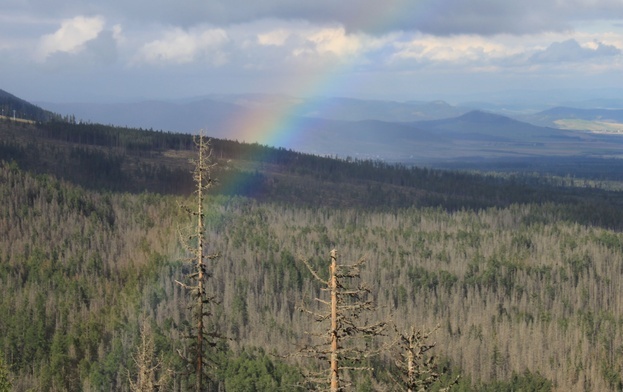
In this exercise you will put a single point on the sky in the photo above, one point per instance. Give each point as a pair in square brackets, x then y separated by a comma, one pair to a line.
[129, 50]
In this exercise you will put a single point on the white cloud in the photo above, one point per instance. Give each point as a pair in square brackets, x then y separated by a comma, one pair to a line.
[517, 54]
[71, 36]
[178, 46]
[310, 40]
[299, 47]
[456, 49]
[335, 41]
[274, 37]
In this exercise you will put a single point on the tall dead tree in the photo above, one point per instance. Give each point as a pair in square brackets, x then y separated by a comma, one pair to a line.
[344, 310]
[417, 369]
[195, 245]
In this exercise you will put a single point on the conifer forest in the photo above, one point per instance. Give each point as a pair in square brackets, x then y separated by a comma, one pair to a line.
[444, 279]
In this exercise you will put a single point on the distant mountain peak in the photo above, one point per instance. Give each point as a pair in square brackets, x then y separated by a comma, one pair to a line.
[481, 116]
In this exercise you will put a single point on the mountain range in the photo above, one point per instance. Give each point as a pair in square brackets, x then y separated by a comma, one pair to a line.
[411, 132]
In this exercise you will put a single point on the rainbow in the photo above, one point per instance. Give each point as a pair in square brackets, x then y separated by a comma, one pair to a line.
[277, 122]
[276, 125]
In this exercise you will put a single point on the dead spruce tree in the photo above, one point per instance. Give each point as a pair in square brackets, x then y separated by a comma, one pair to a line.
[195, 245]
[151, 374]
[343, 310]
[417, 369]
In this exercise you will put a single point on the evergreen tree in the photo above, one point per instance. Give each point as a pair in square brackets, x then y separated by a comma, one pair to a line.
[5, 380]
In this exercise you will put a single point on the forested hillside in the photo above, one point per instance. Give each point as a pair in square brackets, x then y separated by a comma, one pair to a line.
[521, 273]
[12, 106]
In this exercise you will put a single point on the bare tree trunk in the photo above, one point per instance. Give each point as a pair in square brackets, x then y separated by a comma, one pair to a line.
[347, 303]
[410, 362]
[198, 358]
[334, 332]
[200, 267]
[200, 264]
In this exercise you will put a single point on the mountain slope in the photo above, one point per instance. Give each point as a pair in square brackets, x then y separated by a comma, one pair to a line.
[10, 106]
[183, 115]
[361, 139]
[478, 125]
[473, 135]
[348, 109]
[513, 288]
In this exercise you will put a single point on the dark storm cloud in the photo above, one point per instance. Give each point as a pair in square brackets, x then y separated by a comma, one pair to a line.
[440, 17]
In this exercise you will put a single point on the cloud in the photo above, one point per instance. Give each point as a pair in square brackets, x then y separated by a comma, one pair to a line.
[178, 46]
[262, 45]
[98, 53]
[329, 41]
[275, 47]
[571, 51]
[71, 36]
[275, 37]
[438, 17]
[456, 49]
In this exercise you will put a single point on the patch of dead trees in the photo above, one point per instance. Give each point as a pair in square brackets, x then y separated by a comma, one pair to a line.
[341, 346]
[416, 370]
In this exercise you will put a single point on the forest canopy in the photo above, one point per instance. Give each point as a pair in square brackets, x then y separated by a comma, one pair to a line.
[520, 272]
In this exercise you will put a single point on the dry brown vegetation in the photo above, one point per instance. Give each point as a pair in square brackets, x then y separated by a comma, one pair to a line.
[532, 285]
[513, 289]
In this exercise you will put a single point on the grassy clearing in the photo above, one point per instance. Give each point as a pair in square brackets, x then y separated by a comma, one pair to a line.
[17, 119]
[591, 126]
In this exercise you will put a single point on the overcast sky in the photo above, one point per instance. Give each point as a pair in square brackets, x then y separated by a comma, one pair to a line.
[74, 50]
